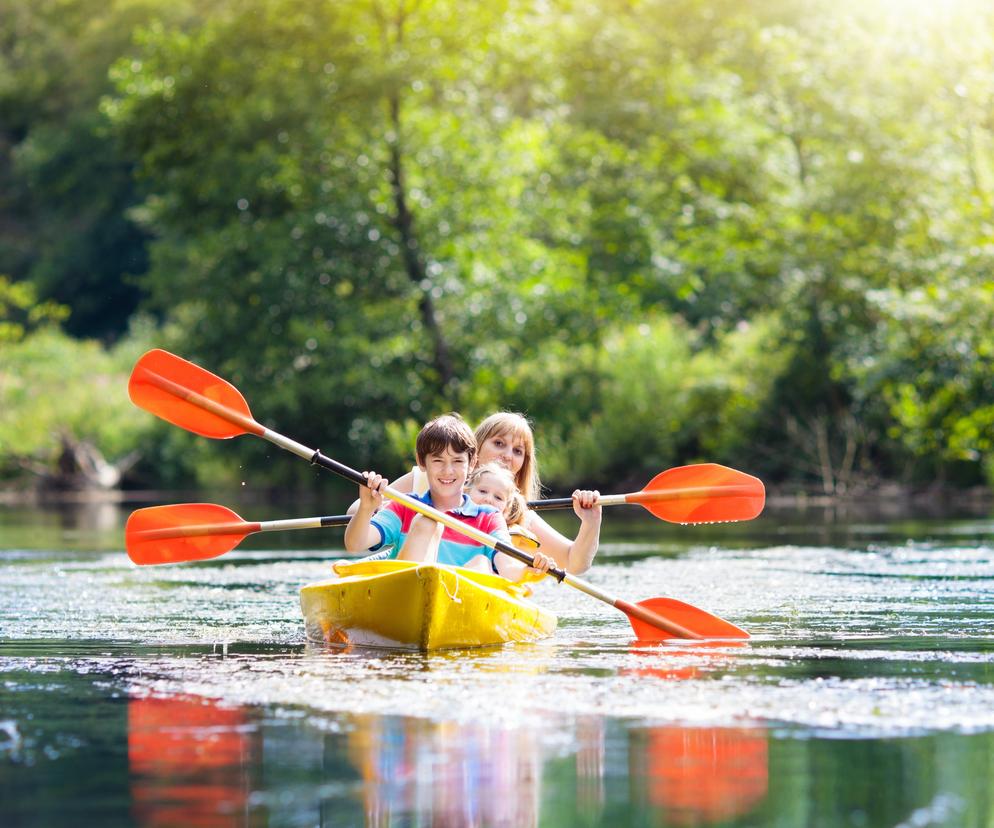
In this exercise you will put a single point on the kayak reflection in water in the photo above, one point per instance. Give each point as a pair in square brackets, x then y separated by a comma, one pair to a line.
[445, 773]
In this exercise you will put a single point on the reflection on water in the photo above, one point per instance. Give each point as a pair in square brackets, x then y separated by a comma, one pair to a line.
[191, 762]
[76, 752]
[195, 762]
[447, 773]
[85, 526]
[699, 776]
[687, 660]
[187, 695]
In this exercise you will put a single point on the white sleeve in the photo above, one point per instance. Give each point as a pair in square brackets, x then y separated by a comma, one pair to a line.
[419, 481]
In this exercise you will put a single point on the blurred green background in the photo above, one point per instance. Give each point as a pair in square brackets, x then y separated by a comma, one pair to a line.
[755, 232]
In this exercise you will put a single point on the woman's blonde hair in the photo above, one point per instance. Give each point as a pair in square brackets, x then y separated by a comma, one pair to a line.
[517, 427]
[514, 509]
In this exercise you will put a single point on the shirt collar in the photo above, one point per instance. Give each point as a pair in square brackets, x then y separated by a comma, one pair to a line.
[467, 508]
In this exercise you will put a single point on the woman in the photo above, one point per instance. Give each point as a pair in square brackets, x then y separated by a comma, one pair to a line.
[506, 438]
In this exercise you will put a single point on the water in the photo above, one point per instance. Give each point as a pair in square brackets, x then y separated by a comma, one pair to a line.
[186, 695]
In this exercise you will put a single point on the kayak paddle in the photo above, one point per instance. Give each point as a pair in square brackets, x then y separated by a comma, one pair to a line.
[196, 532]
[191, 397]
[702, 493]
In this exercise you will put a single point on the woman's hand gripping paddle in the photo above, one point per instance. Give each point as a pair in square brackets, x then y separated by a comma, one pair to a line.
[195, 399]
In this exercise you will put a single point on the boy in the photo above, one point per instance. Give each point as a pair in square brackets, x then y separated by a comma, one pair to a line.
[445, 451]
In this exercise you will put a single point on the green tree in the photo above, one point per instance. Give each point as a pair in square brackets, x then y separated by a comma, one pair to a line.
[65, 186]
[21, 312]
[365, 213]
[65, 402]
[334, 195]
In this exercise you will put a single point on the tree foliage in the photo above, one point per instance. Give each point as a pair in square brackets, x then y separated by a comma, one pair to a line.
[747, 231]
[58, 392]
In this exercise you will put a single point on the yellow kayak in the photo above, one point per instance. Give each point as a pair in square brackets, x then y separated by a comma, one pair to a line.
[418, 606]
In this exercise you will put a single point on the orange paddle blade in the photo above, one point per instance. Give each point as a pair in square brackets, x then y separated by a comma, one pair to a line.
[186, 395]
[185, 532]
[692, 618]
[702, 493]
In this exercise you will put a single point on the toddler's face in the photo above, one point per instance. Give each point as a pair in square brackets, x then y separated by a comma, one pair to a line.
[489, 491]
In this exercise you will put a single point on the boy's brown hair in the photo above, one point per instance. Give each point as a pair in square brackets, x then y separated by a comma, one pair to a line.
[447, 431]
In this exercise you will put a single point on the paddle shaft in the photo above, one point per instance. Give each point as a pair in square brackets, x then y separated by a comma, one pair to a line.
[638, 498]
[534, 505]
[327, 521]
[315, 457]
[244, 527]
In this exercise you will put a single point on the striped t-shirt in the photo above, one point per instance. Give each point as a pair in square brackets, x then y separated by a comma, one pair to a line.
[394, 521]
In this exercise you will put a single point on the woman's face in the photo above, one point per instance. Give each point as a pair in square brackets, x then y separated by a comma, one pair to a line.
[504, 449]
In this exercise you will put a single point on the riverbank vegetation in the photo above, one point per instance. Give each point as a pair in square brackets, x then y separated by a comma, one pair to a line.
[756, 233]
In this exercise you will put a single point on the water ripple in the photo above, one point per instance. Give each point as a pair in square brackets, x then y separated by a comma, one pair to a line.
[892, 639]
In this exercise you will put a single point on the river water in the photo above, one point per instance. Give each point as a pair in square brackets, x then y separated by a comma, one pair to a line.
[187, 695]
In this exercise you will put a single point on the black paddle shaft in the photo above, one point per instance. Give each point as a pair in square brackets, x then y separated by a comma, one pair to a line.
[551, 503]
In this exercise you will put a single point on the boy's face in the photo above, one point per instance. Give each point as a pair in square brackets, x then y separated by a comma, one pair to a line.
[447, 471]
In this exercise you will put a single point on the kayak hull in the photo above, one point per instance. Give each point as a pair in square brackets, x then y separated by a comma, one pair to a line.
[423, 607]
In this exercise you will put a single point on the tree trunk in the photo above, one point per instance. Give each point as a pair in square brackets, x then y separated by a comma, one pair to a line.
[410, 249]
[81, 466]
